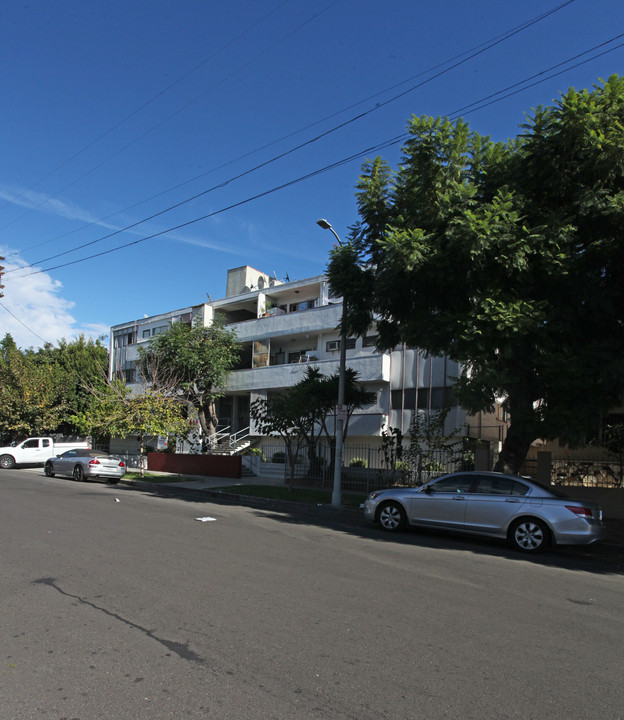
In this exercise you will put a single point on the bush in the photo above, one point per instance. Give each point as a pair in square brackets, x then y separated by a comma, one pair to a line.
[279, 457]
[433, 466]
[359, 462]
[256, 451]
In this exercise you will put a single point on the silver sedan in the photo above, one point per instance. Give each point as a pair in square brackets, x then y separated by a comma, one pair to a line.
[83, 463]
[519, 510]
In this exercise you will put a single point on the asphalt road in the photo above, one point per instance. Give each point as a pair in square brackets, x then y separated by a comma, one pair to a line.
[116, 603]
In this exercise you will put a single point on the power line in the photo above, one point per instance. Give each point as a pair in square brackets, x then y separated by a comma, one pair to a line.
[165, 120]
[473, 107]
[460, 60]
[153, 99]
[2, 305]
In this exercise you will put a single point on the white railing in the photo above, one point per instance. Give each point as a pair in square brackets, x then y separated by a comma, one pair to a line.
[224, 438]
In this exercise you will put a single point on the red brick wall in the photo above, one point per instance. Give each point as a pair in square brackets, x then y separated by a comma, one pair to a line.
[209, 465]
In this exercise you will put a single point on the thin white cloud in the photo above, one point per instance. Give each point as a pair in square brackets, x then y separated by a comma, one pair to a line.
[32, 200]
[54, 206]
[34, 312]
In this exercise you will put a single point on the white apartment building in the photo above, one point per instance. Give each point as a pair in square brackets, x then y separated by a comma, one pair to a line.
[285, 326]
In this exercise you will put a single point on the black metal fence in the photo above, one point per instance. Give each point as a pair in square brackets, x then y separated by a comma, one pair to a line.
[587, 473]
[364, 468]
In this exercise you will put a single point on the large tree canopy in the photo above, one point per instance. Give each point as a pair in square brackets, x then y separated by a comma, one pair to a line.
[299, 414]
[116, 411]
[193, 361]
[507, 256]
[40, 390]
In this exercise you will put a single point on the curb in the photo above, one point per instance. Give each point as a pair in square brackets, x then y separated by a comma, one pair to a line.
[614, 539]
[250, 500]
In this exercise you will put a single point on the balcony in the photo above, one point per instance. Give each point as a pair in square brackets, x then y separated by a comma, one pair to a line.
[310, 321]
[370, 368]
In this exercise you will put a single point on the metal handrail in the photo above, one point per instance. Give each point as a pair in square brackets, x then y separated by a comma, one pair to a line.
[219, 435]
[239, 435]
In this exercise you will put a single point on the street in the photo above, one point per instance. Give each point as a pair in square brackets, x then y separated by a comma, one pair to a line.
[116, 603]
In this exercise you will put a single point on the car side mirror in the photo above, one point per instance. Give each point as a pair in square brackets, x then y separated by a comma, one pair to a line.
[428, 490]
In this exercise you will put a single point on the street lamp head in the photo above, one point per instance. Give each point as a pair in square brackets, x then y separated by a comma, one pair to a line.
[327, 226]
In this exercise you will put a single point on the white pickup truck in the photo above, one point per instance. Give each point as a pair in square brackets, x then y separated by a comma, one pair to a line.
[35, 451]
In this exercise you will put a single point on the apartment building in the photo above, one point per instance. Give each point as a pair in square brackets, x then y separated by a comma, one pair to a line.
[285, 326]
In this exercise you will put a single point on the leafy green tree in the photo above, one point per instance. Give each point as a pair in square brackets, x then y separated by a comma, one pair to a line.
[300, 413]
[118, 412]
[31, 393]
[41, 389]
[195, 362]
[392, 449]
[509, 257]
[430, 446]
[284, 414]
[80, 365]
[355, 394]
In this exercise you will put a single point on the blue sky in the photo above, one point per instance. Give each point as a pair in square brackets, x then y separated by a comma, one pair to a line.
[115, 112]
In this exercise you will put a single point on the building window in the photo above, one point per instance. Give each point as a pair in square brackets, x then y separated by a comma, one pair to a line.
[260, 353]
[303, 305]
[159, 330]
[124, 339]
[404, 399]
[370, 341]
[436, 398]
[334, 345]
[146, 334]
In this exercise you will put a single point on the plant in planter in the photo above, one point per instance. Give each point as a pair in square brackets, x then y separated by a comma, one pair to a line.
[358, 463]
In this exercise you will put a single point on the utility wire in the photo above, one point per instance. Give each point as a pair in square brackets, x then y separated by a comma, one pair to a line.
[146, 104]
[467, 55]
[23, 323]
[169, 117]
[479, 104]
[463, 58]
[473, 107]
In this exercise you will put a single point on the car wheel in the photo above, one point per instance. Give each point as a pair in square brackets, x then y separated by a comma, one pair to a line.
[391, 516]
[7, 462]
[529, 535]
[48, 469]
[78, 473]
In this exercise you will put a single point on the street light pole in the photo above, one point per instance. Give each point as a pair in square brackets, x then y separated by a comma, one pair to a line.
[337, 492]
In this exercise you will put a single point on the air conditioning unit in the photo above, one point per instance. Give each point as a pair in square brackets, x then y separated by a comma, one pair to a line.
[333, 345]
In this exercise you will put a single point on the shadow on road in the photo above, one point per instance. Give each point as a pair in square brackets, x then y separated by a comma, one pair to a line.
[601, 558]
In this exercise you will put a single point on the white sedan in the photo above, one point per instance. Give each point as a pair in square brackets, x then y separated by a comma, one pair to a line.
[81, 464]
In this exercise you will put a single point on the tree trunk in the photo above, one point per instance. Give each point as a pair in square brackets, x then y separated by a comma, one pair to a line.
[513, 452]
[290, 456]
[208, 421]
[213, 420]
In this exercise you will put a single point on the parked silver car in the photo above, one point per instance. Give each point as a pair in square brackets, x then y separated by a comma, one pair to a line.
[81, 464]
[522, 511]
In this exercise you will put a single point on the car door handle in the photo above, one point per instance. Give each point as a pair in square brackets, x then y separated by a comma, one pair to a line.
[512, 500]
[459, 497]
